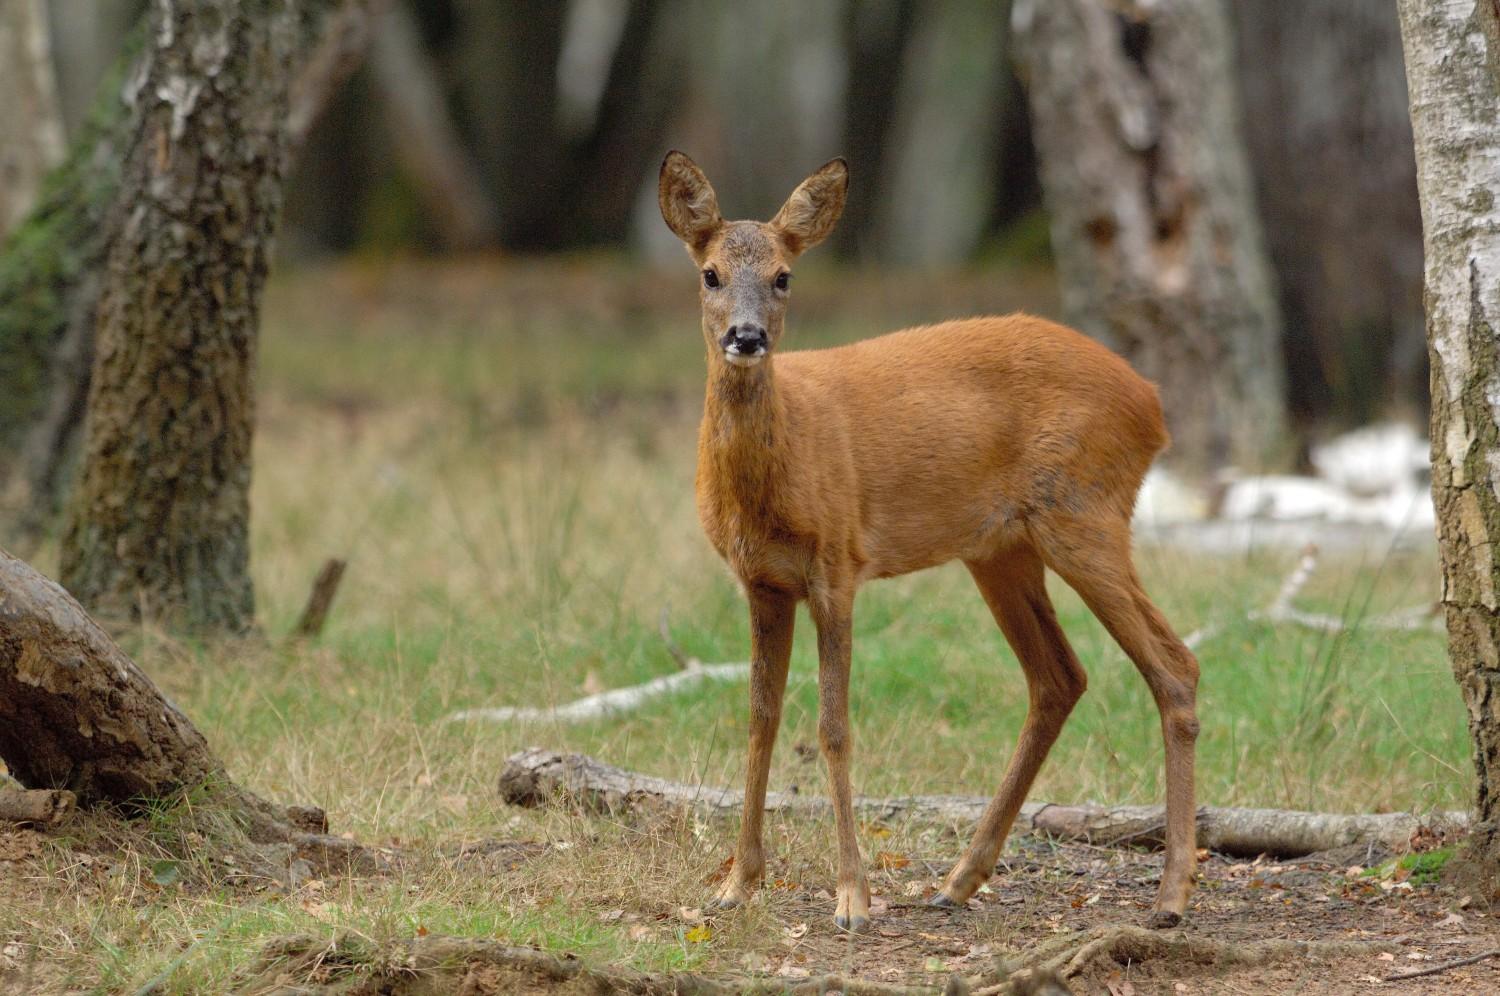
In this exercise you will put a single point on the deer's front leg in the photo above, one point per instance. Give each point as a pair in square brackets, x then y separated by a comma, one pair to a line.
[834, 639]
[771, 616]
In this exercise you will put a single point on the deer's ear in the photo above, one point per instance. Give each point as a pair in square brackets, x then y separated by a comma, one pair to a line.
[810, 213]
[688, 204]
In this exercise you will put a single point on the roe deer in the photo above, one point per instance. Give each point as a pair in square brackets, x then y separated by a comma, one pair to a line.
[1009, 443]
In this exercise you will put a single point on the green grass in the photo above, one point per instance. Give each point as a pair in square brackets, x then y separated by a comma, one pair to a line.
[506, 458]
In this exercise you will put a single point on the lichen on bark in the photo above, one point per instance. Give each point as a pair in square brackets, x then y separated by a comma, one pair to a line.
[159, 524]
[1451, 49]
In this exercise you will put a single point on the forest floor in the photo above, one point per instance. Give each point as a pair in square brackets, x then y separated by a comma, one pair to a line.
[504, 453]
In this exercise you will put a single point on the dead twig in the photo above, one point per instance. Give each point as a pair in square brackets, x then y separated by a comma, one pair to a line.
[1445, 966]
[684, 661]
[1281, 611]
[320, 600]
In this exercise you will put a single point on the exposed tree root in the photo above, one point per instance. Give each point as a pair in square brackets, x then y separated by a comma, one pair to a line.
[304, 963]
[1128, 944]
[536, 777]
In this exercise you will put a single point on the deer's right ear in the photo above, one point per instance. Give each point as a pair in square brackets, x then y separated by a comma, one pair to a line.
[688, 204]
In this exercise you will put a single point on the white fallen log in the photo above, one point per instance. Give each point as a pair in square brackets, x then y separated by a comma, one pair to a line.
[610, 703]
[537, 777]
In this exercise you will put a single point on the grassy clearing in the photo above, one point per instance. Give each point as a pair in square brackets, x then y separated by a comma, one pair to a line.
[506, 459]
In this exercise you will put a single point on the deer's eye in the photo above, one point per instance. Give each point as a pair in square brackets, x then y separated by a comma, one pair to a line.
[710, 279]
[783, 280]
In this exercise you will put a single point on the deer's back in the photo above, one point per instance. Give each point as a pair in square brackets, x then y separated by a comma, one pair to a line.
[963, 427]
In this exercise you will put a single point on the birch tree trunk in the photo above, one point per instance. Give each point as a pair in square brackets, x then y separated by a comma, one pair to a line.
[31, 140]
[1153, 222]
[159, 526]
[1451, 50]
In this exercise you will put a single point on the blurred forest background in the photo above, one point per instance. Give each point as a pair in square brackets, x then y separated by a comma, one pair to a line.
[536, 127]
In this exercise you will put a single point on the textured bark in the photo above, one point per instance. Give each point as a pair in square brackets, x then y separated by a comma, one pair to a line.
[51, 268]
[43, 807]
[159, 525]
[446, 178]
[535, 776]
[79, 721]
[75, 711]
[1153, 222]
[1453, 69]
[1328, 129]
[31, 138]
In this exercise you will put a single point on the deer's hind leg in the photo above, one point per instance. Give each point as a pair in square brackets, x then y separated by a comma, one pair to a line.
[1094, 559]
[1013, 586]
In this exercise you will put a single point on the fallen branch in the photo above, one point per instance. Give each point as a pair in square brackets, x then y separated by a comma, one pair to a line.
[608, 703]
[617, 700]
[42, 807]
[536, 777]
[1281, 610]
[1443, 967]
[320, 599]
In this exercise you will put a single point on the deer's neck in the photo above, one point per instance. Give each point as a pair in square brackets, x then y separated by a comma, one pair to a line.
[743, 437]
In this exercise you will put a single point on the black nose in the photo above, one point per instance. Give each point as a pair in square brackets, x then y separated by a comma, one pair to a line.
[746, 338]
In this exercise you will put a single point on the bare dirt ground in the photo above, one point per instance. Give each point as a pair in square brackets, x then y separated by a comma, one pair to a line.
[1046, 900]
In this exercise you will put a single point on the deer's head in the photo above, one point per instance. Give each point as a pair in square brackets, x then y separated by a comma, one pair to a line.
[745, 266]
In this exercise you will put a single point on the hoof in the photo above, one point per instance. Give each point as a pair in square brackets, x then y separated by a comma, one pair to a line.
[858, 925]
[1163, 920]
[941, 901]
[723, 903]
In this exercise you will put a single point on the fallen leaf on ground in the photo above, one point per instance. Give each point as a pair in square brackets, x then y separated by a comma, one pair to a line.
[699, 934]
[890, 860]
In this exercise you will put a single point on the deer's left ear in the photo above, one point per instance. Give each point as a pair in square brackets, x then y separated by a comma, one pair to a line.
[814, 207]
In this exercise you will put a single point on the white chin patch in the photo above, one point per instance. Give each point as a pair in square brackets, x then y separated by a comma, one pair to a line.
[738, 359]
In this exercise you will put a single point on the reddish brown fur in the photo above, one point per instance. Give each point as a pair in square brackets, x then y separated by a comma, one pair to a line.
[1009, 443]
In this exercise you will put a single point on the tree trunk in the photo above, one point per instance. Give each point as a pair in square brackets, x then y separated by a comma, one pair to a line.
[1455, 110]
[1153, 223]
[75, 711]
[48, 296]
[1328, 128]
[31, 140]
[937, 186]
[509, 73]
[51, 268]
[78, 718]
[159, 526]
[423, 136]
[876, 37]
